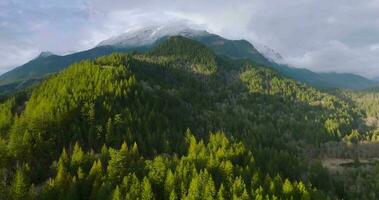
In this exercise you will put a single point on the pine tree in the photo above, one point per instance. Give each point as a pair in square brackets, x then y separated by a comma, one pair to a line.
[287, 188]
[209, 186]
[221, 194]
[96, 169]
[77, 157]
[62, 180]
[64, 160]
[117, 166]
[194, 191]
[80, 174]
[239, 189]
[169, 185]
[157, 170]
[116, 195]
[147, 191]
[19, 186]
[134, 187]
[173, 195]
[304, 194]
[201, 187]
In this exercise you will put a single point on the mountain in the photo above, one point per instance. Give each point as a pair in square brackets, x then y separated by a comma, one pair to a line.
[46, 64]
[146, 38]
[45, 54]
[242, 49]
[269, 53]
[176, 122]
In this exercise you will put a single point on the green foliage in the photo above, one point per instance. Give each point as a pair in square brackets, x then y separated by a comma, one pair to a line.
[117, 169]
[19, 188]
[119, 127]
[147, 192]
[336, 114]
[186, 177]
[199, 57]
[6, 115]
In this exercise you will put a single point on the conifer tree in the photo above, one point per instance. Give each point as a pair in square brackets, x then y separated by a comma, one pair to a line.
[64, 160]
[173, 196]
[134, 187]
[147, 191]
[116, 195]
[221, 194]
[169, 184]
[77, 158]
[287, 188]
[239, 189]
[19, 186]
[96, 170]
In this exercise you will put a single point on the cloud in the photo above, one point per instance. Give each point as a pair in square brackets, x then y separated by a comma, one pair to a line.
[339, 35]
[324, 36]
[335, 56]
[29, 27]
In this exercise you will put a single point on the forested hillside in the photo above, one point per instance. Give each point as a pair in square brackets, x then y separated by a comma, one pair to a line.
[177, 122]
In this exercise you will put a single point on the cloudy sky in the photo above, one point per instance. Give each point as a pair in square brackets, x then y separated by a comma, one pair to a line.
[322, 35]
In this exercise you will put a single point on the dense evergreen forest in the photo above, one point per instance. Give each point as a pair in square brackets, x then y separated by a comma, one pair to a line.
[177, 122]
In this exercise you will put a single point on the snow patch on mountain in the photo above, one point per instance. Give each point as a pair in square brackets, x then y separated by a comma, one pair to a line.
[269, 53]
[45, 54]
[148, 35]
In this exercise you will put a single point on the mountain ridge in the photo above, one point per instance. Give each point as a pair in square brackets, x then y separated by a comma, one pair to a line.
[135, 41]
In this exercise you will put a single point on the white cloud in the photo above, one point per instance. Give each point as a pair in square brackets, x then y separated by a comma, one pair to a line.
[336, 56]
[339, 35]
[13, 55]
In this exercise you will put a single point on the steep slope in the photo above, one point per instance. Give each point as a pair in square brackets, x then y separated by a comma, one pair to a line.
[232, 48]
[147, 38]
[243, 49]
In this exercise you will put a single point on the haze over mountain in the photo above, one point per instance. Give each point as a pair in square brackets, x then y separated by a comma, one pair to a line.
[145, 38]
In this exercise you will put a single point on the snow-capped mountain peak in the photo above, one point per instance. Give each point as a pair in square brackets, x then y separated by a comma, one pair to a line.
[45, 54]
[269, 53]
[148, 35]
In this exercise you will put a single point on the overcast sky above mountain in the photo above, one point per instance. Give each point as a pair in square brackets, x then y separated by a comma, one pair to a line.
[322, 35]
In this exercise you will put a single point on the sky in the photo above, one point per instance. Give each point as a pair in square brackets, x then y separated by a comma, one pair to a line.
[321, 35]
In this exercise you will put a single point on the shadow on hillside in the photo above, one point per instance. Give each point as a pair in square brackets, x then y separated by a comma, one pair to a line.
[221, 101]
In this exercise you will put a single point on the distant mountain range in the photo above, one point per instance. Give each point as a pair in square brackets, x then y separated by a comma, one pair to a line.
[146, 38]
